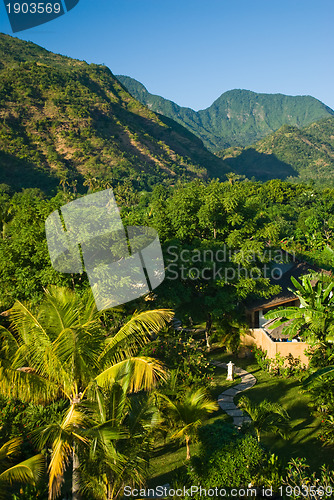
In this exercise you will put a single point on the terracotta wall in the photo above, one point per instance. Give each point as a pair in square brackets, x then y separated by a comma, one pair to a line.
[259, 337]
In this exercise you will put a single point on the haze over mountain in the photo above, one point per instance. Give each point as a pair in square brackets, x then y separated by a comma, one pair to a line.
[304, 154]
[237, 117]
[62, 120]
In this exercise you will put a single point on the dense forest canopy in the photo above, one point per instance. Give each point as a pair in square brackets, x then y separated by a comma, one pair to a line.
[128, 395]
[243, 216]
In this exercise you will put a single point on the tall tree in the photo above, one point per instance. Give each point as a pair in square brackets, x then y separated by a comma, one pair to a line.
[188, 413]
[63, 351]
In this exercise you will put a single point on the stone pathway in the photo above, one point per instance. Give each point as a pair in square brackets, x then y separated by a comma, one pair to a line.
[177, 324]
[225, 400]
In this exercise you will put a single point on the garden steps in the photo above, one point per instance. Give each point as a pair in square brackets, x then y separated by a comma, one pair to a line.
[225, 399]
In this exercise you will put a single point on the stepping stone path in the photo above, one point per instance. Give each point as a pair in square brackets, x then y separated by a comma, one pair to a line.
[225, 400]
[177, 324]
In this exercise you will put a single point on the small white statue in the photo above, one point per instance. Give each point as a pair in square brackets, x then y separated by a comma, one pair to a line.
[230, 371]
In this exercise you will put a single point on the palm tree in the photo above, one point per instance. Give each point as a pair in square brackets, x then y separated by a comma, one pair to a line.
[232, 177]
[314, 320]
[188, 414]
[64, 182]
[266, 417]
[117, 454]
[90, 182]
[63, 351]
[28, 471]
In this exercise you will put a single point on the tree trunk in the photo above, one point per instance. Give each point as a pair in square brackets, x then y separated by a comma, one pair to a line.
[109, 492]
[75, 475]
[188, 447]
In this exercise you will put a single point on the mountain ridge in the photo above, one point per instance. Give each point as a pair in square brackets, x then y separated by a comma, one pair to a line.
[63, 120]
[238, 117]
[298, 154]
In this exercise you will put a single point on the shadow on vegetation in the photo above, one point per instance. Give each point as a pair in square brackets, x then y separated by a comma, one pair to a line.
[167, 477]
[168, 447]
[20, 174]
[262, 166]
[272, 391]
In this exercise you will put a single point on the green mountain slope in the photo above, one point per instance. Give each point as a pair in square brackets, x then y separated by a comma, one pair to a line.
[305, 154]
[237, 117]
[62, 120]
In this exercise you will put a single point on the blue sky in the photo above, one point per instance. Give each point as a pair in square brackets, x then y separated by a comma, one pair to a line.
[191, 51]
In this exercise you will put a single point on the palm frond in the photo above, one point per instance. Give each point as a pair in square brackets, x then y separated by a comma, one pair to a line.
[11, 447]
[62, 445]
[28, 471]
[137, 329]
[9, 344]
[139, 373]
[317, 374]
[23, 321]
[23, 383]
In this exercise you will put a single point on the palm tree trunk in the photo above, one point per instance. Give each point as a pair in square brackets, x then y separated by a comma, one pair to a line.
[109, 492]
[75, 475]
[188, 447]
[110, 487]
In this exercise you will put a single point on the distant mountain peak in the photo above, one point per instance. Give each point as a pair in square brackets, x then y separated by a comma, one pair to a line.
[238, 117]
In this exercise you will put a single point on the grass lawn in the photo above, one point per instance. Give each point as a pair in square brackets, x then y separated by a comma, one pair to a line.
[289, 393]
[169, 458]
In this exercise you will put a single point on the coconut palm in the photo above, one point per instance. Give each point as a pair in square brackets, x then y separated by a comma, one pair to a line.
[266, 417]
[188, 413]
[63, 351]
[28, 471]
[314, 320]
[118, 452]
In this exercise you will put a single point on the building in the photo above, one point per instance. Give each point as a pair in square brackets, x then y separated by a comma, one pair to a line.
[274, 341]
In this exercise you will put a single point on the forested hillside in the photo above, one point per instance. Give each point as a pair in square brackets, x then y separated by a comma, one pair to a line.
[305, 154]
[64, 121]
[237, 117]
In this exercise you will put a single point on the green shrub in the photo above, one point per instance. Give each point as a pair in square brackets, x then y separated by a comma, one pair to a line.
[236, 464]
[279, 366]
[214, 436]
[180, 352]
[261, 358]
[300, 479]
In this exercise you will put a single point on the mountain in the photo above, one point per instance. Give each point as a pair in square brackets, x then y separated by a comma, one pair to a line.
[63, 120]
[237, 117]
[304, 154]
